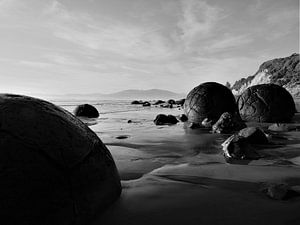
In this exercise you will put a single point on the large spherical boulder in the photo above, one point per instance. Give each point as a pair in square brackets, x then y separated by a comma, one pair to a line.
[209, 101]
[266, 103]
[53, 168]
[86, 110]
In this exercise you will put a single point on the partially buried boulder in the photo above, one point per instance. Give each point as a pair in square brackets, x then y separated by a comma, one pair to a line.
[228, 123]
[238, 147]
[162, 119]
[266, 103]
[54, 169]
[254, 135]
[86, 110]
[136, 102]
[209, 100]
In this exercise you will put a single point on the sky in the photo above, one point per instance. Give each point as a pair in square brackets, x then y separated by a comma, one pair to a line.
[104, 46]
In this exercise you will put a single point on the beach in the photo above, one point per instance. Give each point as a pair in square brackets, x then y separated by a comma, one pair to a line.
[176, 175]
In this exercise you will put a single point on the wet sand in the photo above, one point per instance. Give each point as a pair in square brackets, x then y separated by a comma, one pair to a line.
[174, 175]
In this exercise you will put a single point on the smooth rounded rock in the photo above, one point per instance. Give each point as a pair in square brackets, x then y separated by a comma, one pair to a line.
[209, 100]
[162, 119]
[86, 110]
[54, 169]
[266, 103]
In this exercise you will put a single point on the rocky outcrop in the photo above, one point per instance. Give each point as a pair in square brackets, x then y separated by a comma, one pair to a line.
[284, 72]
[54, 169]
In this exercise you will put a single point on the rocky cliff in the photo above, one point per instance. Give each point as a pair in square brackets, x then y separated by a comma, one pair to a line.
[282, 71]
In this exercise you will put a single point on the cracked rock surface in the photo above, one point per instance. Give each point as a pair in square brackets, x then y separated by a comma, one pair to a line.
[53, 168]
[209, 100]
[266, 103]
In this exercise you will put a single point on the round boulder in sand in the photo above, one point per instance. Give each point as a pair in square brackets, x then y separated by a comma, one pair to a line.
[162, 119]
[86, 110]
[54, 169]
[209, 100]
[266, 103]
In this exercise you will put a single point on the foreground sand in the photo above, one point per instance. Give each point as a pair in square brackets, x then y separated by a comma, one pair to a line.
[173, 175]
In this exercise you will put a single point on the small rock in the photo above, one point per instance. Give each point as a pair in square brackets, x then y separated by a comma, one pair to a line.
[183, 118]
[129, 121]
[228, 123]
[135, 102]
[180, 102]
[163, 119]
[171, 101]
[122, 137]
[277, 191]
[194, 125]
[280, 127]
[159, 102]
[146, 104]
[207, 123]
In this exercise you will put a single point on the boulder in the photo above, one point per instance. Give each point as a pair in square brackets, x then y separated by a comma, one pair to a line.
[163, 119]
[238, 147]
[145, 104]
[254, 135]
[209, 100]
[228, 123]
[266, 103]
[54, 169]
[86, 110]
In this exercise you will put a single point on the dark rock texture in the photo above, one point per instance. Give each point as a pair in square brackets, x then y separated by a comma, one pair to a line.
[183, 118]
[162, 119]
[180, 102]
[171, 101]
[136, 102]
[53, 168]
[86, 110]
[266, 103]
[158, 102]
[254, 135]
[145, 104]
[209, 100]
[282, 71]
[238, 147]
[228, 123]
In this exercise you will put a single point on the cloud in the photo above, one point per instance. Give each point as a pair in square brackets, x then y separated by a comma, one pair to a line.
[198, 21]
[229, 41]
[107, 35]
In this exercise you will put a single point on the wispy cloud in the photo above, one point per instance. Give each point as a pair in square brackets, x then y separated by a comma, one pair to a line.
[198, 21]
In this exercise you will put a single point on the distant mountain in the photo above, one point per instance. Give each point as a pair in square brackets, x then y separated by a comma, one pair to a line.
[132, 94]
[282, 71]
